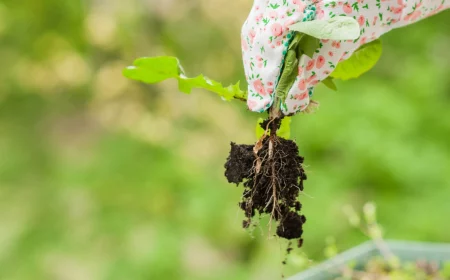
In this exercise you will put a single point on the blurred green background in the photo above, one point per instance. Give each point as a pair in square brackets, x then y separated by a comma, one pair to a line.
[106, 178]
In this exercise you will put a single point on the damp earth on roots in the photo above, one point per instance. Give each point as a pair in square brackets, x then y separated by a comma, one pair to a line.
[272, 176]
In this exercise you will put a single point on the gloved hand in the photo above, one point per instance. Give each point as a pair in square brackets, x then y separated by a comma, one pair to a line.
[266, 36]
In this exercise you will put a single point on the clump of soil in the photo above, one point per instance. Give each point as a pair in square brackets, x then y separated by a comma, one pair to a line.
[272, 175]
[240, 163]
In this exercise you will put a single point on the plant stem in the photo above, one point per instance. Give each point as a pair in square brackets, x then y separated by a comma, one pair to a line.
[288, 75]
[274, 112]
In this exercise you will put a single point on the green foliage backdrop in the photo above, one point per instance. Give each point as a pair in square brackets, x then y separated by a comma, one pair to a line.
[105, 178]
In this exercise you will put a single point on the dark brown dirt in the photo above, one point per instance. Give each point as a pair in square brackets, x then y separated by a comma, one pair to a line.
[271, 124]
[240, 163]
[272, 180]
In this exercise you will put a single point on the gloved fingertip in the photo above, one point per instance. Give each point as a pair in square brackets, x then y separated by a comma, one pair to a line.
[297, 101]
[259, 104]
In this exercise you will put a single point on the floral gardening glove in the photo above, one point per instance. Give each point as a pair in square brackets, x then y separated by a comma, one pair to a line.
[283, 56]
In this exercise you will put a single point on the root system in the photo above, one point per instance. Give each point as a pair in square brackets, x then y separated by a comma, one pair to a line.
[272, 175]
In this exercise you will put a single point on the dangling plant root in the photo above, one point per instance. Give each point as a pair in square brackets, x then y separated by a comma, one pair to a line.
[272, 175]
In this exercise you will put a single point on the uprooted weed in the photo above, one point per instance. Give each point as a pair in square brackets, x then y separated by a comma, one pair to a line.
[272, 175]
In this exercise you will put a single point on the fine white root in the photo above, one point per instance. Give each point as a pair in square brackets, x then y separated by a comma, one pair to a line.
[273, 184]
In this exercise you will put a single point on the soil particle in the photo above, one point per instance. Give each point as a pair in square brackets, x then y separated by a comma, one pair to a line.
[246, 224]
[273, 186]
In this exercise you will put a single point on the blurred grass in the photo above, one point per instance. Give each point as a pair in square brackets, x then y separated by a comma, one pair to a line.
[104, 178]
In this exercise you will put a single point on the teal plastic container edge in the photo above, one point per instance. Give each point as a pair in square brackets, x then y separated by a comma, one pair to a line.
[405, 250]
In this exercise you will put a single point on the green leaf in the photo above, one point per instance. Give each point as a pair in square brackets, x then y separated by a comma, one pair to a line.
[295, 41]
[337, 28]
[329, 83]
[259, 129]
[153, 70]
[300, 44]
[288, 75]
[285, 128]
[308, 45]
[361, 61]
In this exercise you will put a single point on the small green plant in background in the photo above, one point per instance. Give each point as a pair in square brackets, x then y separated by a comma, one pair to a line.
[388, 266]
